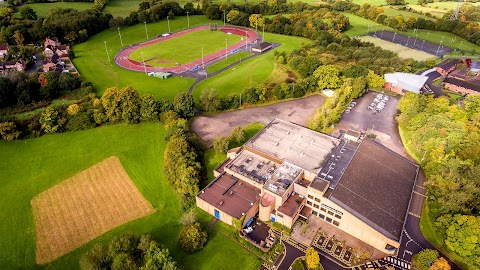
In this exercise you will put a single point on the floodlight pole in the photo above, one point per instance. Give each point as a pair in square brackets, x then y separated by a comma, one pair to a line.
[168, 22]
[263, 30]
[144, 66]
[120, 35]
[226, 46]
[407, 41]
[203, 61]
[224, 17]
[376, 26]
[394, 35]
[416, 36]
[439, 47]
[146, 32]
[188, 21]
[108, 56]
[246, 40]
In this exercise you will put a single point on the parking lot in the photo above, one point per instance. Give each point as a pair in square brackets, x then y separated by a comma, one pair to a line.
[379, 120]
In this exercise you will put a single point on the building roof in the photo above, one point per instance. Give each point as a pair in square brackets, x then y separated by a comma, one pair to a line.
[319, 184]
[293, 143]
[230, 195]
[448, 64]
[262, 46]
[376, 188]
[291, 205]
[406, 81]
[462, 83]
[3, 46]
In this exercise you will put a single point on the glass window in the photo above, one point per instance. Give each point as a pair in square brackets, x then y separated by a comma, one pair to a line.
[315, 213]
[336, 223]
[330, 213]
[316, 206]
[323, 209]
[279, 215]
[338, 216]
[317, 199]
[309, 203]
[321, 216]
[310, 196]
[328, 220]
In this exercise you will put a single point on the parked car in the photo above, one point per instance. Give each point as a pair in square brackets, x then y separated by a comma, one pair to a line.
[386, 98]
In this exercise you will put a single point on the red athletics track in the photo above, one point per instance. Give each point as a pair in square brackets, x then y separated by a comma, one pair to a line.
[122, 59]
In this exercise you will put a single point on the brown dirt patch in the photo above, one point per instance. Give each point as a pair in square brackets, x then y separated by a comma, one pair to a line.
[83, 207]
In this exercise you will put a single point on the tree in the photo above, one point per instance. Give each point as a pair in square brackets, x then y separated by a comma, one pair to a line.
[238, 134]
[374, 80]
[8, 131]
[149, 108]
[220, 145]
[209, 100]
[96, 258]
[121, 105]
[188, 219]
[183, 105]
[232, 15]
[192, 238]
[49, 120]
[463, 237]
[328, 77]
[256, 20]
[19, 39]
[73, 109]
[312, 258]
[28, 13]
[440, 264]
[424, 259]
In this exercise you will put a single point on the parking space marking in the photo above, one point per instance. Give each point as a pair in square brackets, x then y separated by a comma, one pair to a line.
[419, 194]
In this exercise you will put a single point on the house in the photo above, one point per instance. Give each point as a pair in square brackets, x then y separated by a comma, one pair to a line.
[53, 42]
[48, 52]
[462, 86]
[287, 172]
[400, 82]
[447, 66]
[262, 47]
[18, 65]
[62, 51]
[49, 67]
[3, 50]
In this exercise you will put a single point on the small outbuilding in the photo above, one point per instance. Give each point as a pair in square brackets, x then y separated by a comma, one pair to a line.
[161, 75]
[262, 47]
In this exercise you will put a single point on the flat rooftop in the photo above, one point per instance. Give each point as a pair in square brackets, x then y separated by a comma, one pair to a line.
[376, 188]
[291, 205]
[230, 195]
[295, 144]
[283, 178]
[337, 163]
[253, 167]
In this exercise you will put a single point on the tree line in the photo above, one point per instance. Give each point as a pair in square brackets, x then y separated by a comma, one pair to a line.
[446, 137]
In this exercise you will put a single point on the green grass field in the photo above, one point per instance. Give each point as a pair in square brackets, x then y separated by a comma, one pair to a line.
[225, 62]
[32, 166]
[121, 8]
[402, 51]
[251, 72]
[184, 49]
[42, 9]
[91, 59]
[438, 9]
[360, 26]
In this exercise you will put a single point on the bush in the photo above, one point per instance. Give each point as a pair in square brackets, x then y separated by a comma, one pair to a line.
[424, 259]
[8, 131]
[192, 238]
[238, 134]
[220, 145]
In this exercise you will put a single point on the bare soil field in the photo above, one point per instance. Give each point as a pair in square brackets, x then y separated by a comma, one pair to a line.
[83, 207]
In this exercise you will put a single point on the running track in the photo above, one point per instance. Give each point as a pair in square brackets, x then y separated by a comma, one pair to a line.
[123, 61]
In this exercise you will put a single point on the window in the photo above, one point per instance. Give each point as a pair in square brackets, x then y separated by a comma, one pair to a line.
[329, 220]
[323, 209]
[316, 206]
[317, 199]
[309, 203]
[336, 223]
[321, 216]
[338, 216]
[310, 196]
[315, 213]
[279, 215]
[330, 213]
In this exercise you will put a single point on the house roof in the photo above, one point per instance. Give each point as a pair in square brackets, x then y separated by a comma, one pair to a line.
[406, 81]
[376, 188]
[462, 83]
[61, 47]
[448, 64]
[3, 46]
[262, 46]
[294, 144]
[230, 195]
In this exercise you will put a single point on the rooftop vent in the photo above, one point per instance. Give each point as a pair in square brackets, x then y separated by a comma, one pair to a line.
[275, 143]
[231, 192]
[288, 131]
[302, 153]
[221, 202]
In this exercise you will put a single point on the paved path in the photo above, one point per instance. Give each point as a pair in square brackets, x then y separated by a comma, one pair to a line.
[209, 127]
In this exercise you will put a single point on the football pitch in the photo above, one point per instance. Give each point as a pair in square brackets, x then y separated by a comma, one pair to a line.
[184, 49]
[402, 51]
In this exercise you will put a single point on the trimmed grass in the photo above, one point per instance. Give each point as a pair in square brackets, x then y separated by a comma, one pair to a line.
[32, 166]
[226, 62]
[359, 25]
[92, 63]
[394, 11]
[185, 49]
[402, 51]
[438, 9]
[251, 72]
[121, 8]
[42, 9]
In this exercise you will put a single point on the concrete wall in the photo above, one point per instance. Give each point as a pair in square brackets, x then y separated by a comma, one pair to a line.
[205, 206]
[252, 212]
[300, 189]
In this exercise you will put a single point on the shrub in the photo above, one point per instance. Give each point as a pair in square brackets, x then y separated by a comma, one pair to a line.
[238, 134]
[192, 238]
[8, 131]
[73, 109]
[220, 145]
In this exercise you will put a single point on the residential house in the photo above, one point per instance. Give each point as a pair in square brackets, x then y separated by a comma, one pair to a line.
[53, 42]
[18, 65]
[62, 51]
[3, 50]
[400, 82]
[49, 67]
[49, 53]
[288, 172]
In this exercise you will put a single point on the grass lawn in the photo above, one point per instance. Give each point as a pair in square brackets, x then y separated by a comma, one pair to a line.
[185, 49]
[32, 166]
[394, 11]
[92, 63]
[225, 62]
[121, 8]
[42, 9]
[359, 25]
[402, 51]
[438, 9]
[251, 72]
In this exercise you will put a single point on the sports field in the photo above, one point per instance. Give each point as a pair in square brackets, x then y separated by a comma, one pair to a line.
[83, 207]
[42, 9]
[30, 167]
[402, 51]
[184, 49]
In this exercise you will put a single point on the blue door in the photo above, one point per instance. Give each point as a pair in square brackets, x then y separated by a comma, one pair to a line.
[217, 214]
